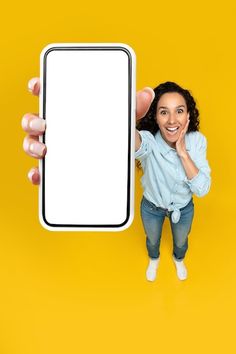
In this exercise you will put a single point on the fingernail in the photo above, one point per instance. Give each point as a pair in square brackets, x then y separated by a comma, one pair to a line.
[30, 174]
[37, 149]
[31, 84]
[24, 123]
[37, 124]
[150, 92]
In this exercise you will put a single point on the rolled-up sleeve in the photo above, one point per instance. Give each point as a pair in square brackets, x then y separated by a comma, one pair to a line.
[200, 184]
[146, 147]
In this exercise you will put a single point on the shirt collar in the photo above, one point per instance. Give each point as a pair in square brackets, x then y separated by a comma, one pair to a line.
[164, 147]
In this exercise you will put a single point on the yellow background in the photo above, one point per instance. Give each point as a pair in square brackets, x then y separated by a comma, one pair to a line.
[86, 292]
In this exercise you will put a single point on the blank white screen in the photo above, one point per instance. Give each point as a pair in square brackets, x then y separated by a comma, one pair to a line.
[87, 116]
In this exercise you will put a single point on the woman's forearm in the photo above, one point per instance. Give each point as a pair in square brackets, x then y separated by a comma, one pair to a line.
[189, 166]
[137, 140]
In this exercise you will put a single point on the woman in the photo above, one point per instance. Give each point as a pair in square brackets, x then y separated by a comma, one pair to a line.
[173, 171]
[172, 153]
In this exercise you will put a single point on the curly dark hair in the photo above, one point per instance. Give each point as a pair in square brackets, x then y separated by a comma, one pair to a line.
[148, 122]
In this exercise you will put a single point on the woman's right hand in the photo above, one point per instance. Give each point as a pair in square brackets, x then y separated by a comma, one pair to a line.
[35, 126]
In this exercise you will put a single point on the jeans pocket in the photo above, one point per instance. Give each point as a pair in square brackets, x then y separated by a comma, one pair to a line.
[189, 208]
[147, 204]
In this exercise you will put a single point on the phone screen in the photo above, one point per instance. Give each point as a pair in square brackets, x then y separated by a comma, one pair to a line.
[87, 98]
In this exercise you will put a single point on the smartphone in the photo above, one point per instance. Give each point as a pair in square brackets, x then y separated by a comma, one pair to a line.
[87, 98]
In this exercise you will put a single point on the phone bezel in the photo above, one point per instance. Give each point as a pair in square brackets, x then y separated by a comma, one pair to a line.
[131, 148]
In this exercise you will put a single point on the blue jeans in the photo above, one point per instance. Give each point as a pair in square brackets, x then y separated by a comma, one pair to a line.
[153, 218]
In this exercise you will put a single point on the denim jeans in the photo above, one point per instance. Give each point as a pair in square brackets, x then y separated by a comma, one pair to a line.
[153, 218]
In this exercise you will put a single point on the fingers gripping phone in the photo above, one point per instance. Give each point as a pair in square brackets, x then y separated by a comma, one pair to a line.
[87, 98]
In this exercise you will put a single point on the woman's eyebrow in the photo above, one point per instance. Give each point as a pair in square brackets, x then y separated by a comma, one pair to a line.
[181, 105]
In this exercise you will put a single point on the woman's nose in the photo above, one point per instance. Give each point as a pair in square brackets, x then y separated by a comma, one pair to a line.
[172, 118]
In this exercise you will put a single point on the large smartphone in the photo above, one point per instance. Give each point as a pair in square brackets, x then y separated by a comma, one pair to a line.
[87, 98]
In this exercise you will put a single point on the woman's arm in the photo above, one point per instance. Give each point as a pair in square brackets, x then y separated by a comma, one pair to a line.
[137, 140]
[189, 166]
[197, 171]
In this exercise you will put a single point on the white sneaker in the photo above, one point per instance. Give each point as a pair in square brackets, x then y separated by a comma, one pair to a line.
[181, 269]
[152, 269]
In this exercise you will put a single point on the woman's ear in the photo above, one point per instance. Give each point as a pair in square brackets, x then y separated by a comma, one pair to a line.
[188, 115]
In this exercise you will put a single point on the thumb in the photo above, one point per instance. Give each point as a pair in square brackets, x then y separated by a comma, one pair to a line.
[144, 99]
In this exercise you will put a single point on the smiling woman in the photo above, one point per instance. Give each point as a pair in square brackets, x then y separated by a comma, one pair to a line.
[172, 154]
[170, 101]
[171, 116]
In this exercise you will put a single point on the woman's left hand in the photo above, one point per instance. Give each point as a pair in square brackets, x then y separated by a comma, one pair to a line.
[180, 143]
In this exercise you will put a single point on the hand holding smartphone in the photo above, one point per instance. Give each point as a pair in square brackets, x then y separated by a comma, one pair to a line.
[87, 98]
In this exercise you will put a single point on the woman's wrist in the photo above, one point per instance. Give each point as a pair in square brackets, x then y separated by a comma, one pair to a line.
[184, 155]
[189, 166]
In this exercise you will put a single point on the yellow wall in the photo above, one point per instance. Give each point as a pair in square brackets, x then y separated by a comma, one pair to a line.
[87, 293]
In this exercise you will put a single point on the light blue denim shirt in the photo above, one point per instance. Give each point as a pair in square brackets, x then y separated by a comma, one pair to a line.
[164, 180]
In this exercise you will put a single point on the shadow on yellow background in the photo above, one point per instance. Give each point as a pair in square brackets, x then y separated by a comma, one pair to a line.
[86, 292]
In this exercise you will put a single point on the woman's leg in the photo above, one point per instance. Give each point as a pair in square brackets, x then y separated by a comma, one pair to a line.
[181, 230]
[152, 218]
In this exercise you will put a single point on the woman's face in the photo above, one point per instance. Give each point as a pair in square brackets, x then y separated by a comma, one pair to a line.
[171, 116]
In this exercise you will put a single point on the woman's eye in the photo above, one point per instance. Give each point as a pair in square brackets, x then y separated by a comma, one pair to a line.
[180, 110]
[163, 112]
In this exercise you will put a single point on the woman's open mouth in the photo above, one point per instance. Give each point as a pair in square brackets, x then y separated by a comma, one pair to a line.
[172, 131]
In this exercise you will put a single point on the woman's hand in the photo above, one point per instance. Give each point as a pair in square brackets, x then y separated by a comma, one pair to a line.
[180, 143]
[34, 126]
